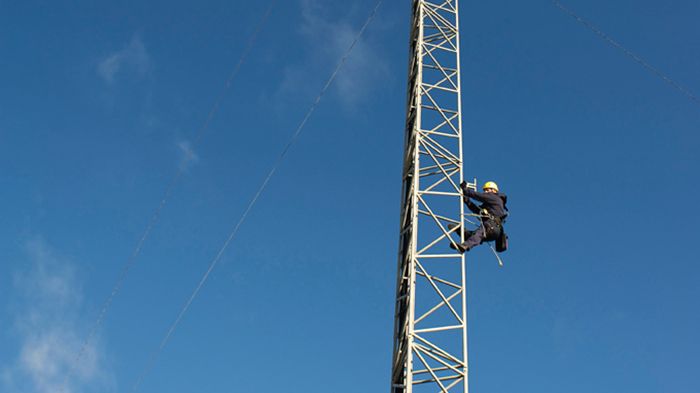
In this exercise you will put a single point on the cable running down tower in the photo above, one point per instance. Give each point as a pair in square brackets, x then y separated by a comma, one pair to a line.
[430, 321]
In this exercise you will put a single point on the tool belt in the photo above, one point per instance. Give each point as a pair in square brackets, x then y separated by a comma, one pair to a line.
[493, 230]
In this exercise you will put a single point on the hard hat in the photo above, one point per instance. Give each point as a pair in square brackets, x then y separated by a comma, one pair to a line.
[490, 184]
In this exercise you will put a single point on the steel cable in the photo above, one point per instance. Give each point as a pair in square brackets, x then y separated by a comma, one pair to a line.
[689, 94]
[166, 196]
[154, 356]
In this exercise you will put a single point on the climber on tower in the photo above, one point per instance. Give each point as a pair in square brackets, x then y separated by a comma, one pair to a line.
[492, 212]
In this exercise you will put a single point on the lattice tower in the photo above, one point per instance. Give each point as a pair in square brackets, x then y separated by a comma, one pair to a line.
[430, 331]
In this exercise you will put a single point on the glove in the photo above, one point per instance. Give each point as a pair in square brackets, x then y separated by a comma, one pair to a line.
[463, 185]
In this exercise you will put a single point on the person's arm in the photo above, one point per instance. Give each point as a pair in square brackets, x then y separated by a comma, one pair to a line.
[483, 197]
[471, 205]
[479, 196]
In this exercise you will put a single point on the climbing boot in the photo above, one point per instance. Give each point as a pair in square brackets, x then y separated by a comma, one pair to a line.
[459, 247]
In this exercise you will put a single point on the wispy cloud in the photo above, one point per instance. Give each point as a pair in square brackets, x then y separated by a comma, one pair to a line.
[47, 302]
[133, 58]
[326, 39]
[188, 156]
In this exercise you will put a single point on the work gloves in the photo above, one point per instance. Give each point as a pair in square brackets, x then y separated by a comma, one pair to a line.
[463, 185]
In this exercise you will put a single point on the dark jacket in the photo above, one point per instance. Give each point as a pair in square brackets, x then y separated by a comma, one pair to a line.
[494, 204]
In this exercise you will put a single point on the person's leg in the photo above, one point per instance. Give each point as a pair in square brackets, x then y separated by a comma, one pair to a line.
[474, 239]
[467, 232]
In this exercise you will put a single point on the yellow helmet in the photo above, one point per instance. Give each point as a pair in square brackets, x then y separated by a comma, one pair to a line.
[490, 184]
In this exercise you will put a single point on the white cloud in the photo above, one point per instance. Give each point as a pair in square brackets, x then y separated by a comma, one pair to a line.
[327, 39]
[47, 302]
[188, 156]
[132, 57]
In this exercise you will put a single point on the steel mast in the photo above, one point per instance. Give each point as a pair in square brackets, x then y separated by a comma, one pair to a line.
[430, 321]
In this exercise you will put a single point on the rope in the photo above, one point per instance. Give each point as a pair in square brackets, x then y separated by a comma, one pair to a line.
[629, 53]
[500, 262]
[152, 360]
[164, 199]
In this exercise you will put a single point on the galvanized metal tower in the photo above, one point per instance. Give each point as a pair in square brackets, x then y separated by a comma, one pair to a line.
[430, 331]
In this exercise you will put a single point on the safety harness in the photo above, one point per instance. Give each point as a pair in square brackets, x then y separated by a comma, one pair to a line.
[493, 228]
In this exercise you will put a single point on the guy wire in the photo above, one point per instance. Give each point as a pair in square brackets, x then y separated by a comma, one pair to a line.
[628, 53]
[164, 199]
[154, 356]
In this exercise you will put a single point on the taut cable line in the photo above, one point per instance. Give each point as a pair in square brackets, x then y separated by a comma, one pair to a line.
[689, 94]
[154, 356]
[130, 262]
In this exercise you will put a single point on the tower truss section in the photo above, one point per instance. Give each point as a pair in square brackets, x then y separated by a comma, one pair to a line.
[430, 321]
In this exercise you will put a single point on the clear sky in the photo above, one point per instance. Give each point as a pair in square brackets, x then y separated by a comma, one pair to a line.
[99, 103]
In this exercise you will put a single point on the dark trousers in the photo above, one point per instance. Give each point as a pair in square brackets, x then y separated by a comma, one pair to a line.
[474, 238]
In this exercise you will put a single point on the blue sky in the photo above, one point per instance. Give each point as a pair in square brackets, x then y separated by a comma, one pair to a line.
[98, 109]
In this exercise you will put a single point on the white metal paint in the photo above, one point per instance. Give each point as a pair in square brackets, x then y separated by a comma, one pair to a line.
[431, 281]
